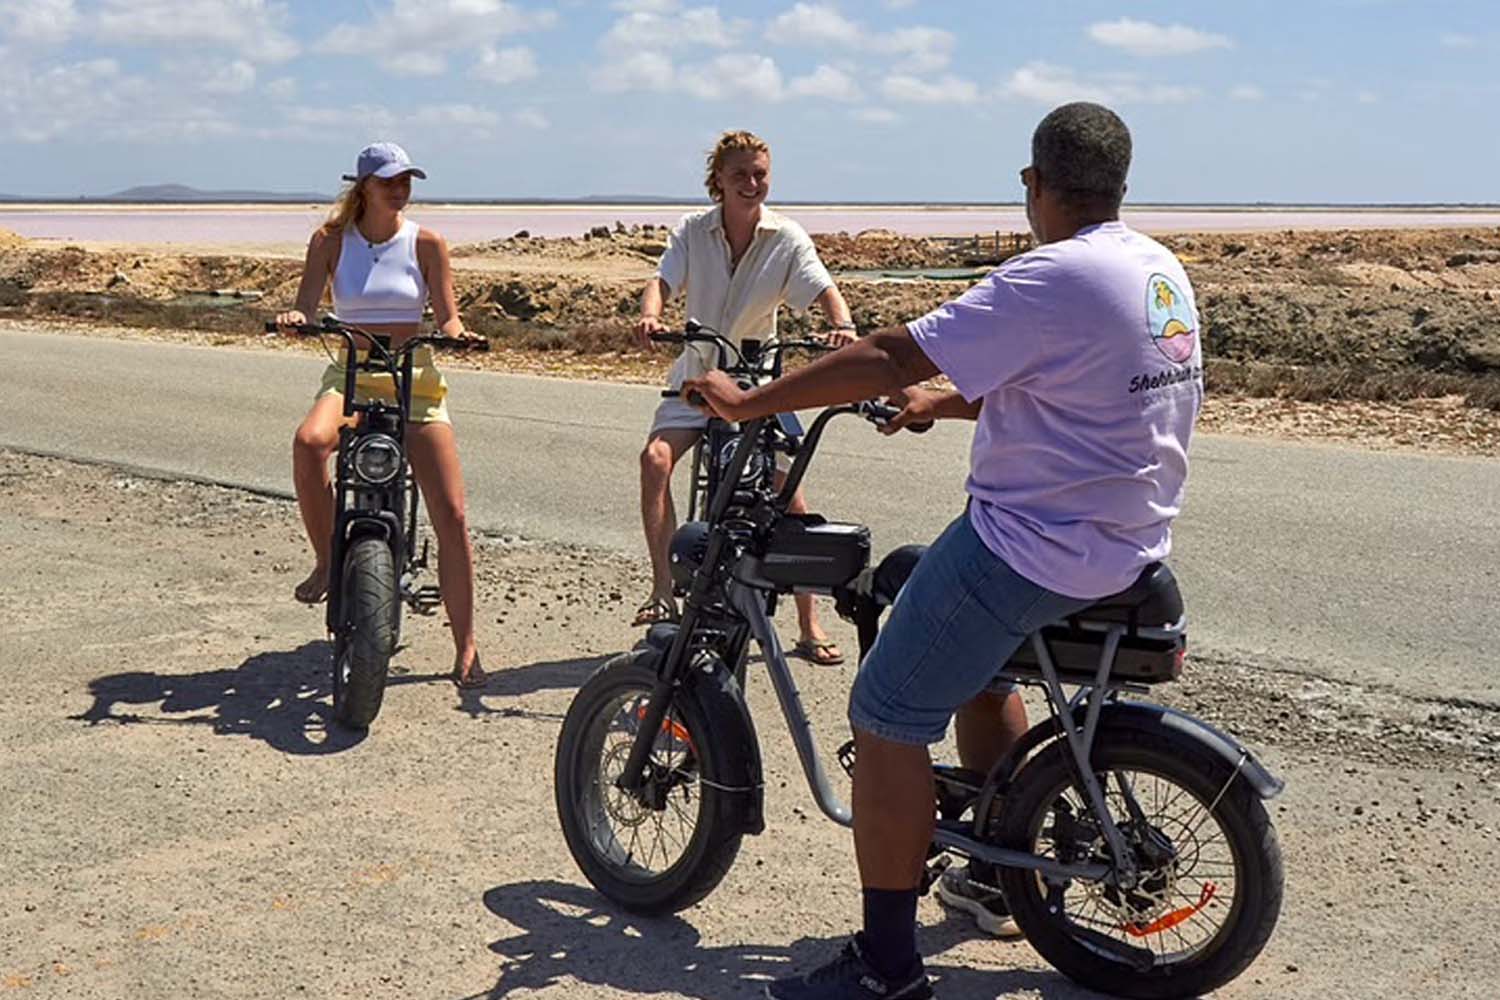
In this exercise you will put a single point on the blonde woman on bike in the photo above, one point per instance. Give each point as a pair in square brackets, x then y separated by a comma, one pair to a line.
[736, 263]
[383, 267]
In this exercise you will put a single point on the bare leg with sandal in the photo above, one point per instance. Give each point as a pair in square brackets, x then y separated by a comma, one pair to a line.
[663, 450]
[313, 445]
[433, 452]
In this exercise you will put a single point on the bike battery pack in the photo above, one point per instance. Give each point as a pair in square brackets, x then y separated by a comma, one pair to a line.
[807, 552]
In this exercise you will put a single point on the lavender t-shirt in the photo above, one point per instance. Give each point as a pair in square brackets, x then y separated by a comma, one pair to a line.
[1086, 355]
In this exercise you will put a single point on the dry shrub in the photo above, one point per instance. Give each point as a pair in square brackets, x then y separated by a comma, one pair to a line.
[1309, 384]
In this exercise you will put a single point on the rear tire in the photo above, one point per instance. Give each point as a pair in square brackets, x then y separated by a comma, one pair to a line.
[1254, 856]
[608, 832]
[362, 654]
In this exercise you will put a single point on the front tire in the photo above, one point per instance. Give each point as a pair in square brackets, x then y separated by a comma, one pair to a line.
[362, 652]
[649, 857]
[1213, 827]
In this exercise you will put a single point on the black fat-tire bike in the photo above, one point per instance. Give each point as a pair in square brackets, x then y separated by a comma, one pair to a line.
[1133, 842]
[374, 563]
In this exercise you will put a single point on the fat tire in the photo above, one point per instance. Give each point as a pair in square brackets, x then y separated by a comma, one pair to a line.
[371, 608]
[1240, 813]
[716, 840]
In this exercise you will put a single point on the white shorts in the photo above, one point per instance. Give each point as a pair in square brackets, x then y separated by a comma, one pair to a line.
[675, 414]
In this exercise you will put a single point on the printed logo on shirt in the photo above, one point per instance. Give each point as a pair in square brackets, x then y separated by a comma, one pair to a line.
[1169, 317]
[1174, 334]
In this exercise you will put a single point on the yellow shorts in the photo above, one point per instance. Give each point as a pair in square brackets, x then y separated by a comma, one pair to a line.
[429, 390]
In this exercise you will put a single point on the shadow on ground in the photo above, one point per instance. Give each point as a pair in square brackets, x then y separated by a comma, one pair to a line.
[517, 682]
[283, 698]
[569, 933]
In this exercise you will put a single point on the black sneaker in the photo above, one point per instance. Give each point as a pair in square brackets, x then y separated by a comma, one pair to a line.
[985, 903]
[850, 977]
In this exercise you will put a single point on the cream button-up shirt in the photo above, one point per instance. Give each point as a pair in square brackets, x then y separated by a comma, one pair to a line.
[781, 265]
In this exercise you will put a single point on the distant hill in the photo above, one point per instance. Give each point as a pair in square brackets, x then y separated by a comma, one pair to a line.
[183, 193]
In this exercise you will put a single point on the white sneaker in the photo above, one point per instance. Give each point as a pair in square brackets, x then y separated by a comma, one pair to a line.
[984, 903]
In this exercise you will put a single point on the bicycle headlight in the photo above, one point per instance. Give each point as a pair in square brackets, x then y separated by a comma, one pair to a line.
[377, 459]
[755, 470]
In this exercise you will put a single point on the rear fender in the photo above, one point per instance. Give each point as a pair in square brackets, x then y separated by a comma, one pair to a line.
[718, 695]
[1180, 726]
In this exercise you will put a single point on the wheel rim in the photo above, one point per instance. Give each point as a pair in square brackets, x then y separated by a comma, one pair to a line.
[639, 842]
[1189, 892]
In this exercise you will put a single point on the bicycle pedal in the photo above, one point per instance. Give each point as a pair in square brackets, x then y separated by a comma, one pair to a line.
[425, 600]
[932, 872]
[846, 758]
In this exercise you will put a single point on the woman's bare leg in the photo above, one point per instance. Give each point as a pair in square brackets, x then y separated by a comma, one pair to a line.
[316, 440]
[433, 452]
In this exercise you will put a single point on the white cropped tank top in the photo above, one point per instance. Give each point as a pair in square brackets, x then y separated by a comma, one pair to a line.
[379, 282]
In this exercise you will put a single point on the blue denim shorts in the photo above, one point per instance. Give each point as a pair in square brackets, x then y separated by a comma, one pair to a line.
[954, 625]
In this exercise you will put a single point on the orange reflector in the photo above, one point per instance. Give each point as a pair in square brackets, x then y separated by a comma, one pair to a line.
[1175, 917]
[671, 727]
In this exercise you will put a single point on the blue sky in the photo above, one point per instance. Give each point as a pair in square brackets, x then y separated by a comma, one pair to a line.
[1318, 100]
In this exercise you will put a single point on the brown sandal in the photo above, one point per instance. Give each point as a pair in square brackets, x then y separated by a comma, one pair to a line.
[656, 611]
[476, 678]
[823, 652]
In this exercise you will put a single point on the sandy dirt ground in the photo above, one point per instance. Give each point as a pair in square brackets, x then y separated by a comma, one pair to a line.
[181, 819]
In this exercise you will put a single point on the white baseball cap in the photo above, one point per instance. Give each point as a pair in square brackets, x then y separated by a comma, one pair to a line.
[384, 160]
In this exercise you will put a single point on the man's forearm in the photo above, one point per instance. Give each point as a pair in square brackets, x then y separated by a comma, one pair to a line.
[651, 298]
[878, 365]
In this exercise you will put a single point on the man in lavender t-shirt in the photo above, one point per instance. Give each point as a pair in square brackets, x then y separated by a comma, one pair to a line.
[1080, 362]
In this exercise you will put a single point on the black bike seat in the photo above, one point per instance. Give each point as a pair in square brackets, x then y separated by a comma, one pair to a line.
[1153, 599]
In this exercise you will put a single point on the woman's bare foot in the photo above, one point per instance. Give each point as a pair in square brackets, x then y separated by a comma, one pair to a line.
[472, 675]
[314, 588]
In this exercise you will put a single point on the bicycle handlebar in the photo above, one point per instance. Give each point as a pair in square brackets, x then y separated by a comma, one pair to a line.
[329, 325]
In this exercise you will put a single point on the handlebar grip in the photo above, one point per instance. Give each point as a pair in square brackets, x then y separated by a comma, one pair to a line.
[665, 338]
[921, 428]
[458, 343]
[670, 394]
[693, 398]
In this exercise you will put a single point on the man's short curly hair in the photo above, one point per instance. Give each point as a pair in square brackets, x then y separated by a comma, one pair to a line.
[1082, 151]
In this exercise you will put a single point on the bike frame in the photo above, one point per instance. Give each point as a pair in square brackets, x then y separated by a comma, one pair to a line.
[750, 600]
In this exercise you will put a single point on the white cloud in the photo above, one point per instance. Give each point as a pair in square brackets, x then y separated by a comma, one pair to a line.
[1247, 92]
[38, 22]
[641, 71]
[412, 35]
[672, 28]
[234, 77]
[947, 90]
[255, 28]
[827, 82]
[1367, 97]
[281, 89]
[876, 116]
[505, 65]
[921, 49]
[1142, 38]
[532, 118]
[733, 75]
[814, 24]
[1044, 83]
[94, 99]
[415, 63]
[1454, 40]
[900, 4]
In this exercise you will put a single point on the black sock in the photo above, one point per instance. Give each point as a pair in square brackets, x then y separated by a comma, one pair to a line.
[890, 937]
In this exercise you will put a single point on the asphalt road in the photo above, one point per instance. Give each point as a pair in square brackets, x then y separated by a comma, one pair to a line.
[1352, 565]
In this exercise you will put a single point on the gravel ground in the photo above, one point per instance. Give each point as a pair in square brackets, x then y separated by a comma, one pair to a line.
[181, 820]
